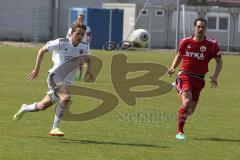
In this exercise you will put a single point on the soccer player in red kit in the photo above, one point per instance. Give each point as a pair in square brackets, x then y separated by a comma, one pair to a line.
[194, 54]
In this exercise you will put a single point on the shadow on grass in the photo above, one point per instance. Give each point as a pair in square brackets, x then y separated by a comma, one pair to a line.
[112, 143]
[68, 140]
[214, 139]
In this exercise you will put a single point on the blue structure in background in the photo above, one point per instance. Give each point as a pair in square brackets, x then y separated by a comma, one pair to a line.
[106, 24]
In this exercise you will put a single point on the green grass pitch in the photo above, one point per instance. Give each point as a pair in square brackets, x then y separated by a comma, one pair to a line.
[212, 132]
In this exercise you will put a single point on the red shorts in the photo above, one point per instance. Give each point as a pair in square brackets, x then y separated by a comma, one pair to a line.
[193, 84]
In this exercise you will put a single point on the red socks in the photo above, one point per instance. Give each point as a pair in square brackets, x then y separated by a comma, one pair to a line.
[182, 117]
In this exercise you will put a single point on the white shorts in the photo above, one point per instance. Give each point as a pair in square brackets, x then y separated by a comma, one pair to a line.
[54, 81]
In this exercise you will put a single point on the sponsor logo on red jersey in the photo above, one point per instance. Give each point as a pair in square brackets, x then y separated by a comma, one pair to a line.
[198, 56]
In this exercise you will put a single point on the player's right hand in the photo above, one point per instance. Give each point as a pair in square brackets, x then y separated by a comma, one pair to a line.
[33, 75]
[171, 71]
[214, 82]
[89, 77]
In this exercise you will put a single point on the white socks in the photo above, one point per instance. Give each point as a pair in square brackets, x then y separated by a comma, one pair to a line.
[30, 108]
[60, 109]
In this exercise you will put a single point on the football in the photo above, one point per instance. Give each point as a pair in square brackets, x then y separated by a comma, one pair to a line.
[139, 38]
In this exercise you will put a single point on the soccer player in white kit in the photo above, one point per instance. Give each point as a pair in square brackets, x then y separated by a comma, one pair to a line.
[67, 55]
[87, 38]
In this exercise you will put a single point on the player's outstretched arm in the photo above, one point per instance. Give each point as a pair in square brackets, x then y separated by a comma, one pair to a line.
[88, 62]
[88, 76]
[218, 68]
[33, 75]
[174, 65]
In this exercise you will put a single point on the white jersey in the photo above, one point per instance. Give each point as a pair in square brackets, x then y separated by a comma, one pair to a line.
[66, 58]
[85, 37]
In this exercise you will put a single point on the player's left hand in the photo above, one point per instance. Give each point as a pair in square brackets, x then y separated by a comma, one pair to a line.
[89, 77]
[214, 82]
[33, 75]
[171, 71]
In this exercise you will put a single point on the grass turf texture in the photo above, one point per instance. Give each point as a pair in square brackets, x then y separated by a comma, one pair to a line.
[212, 132]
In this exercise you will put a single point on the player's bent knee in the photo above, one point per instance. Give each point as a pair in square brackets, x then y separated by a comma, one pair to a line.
[187, 102]
[65, 99]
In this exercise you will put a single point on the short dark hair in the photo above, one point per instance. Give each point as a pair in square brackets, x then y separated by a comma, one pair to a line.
[201, 20]
[81, 15]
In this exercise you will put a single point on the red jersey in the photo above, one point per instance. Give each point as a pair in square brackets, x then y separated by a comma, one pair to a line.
[196, 55]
